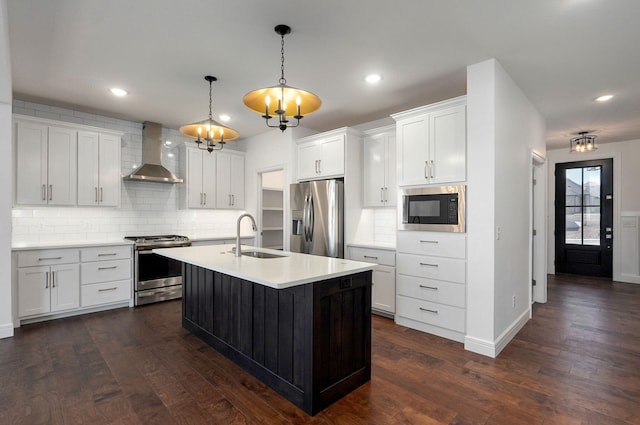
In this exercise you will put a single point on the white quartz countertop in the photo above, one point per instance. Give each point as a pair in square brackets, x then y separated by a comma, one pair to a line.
[68, 244]
[291, 269]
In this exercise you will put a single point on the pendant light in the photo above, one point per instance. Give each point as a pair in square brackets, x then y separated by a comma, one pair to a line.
[208, 132]
[284, 101]
[584, 142]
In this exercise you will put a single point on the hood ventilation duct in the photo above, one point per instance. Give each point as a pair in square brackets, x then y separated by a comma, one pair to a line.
[151, 169]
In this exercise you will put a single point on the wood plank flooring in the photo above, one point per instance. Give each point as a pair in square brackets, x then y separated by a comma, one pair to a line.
[576, 362]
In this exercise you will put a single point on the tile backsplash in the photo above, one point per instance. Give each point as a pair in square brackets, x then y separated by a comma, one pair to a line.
[146, 208]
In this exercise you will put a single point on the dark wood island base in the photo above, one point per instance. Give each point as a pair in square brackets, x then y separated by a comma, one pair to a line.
[311, 343]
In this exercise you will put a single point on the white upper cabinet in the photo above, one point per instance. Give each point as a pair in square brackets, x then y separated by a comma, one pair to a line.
[230, 180]
[431, 143]
[379, 167]
[45, 164]
[98, 169]
[199, 189]
[322, 155]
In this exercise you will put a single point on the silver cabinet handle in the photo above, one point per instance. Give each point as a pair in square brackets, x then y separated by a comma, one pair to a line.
[428, 310]
[49, 258]
[428, 265]
[432, 168]
[107, 289]
[369, 256]
[46, 280]
[425, 241]
[429, 287]
[105, 254]
[316, 164]
[50, 192]
[319, 166]
[205, 198]
[200, 198]
[96, 190]
[233, 200]
[426, 174]
[382, 195]
[101, 197]
[107, 268]
[44, 192]
[53, 279]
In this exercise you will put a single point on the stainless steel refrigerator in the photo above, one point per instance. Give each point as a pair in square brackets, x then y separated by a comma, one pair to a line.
[318, 217]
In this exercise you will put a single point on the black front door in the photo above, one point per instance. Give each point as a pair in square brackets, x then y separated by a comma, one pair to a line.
[584, 217]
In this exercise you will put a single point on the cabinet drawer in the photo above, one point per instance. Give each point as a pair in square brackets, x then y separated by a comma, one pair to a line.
[105, 271]
[104, 293]
[106, 253]
[435, 314]
[453, 294]
[47, 257]
[452, 245]
[449, 269]
[370, 255]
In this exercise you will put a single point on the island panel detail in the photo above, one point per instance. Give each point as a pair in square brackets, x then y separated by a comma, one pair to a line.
[311, 343]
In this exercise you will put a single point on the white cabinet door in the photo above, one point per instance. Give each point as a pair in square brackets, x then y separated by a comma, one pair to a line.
[380, 170]
[413, 150]
[447, 134]
[109, 167]
[33, 290]
[88, 154]
[209, 183]
[384, 289]
[237, 182]
[65, 287]
[193, 183]
[31, 163]
[332, 157]
[230, 181]
[62, 166]
[308, 157]
[374, 171]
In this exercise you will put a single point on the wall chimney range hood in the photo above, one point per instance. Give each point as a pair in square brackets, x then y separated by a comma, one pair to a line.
[151, 169]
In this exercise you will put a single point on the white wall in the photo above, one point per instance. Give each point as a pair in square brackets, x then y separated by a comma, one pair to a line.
[6, 179]
[502, 129]
[626, 205]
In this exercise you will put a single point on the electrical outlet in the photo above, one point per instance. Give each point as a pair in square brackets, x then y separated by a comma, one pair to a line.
[513, 302]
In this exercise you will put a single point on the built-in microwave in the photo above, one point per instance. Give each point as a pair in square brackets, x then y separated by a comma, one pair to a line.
[433, 208]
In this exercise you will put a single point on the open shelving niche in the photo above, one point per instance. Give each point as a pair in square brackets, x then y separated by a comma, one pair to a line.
[272, 218]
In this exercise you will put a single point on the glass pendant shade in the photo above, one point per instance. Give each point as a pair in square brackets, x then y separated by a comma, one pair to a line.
[585, 142]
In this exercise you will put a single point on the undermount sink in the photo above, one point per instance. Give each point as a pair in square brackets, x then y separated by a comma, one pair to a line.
[260, 254]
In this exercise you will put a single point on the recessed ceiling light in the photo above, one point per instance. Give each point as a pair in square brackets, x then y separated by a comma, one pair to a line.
[604, 98]
[224, 117]
[373, 78]
[167, 142]
[118, 91]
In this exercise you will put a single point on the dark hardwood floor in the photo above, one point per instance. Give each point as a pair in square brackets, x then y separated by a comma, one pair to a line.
[576, 362]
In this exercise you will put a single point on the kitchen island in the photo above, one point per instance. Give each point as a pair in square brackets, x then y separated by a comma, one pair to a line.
[299, 323]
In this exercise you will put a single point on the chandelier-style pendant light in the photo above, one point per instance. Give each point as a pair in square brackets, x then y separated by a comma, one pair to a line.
[208, 132]
[283, 101]
[584, 142]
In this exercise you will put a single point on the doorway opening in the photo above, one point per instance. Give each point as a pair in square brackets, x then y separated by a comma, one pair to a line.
[272, 209]
[584, 217]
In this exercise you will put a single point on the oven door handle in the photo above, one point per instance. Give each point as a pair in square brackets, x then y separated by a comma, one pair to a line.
[145, 252]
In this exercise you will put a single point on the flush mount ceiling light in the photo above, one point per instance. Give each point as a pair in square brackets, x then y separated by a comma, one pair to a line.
[583, 142]
[282, 100]
[118, 91]
[373, 78]
[208, 132]
[604, 98]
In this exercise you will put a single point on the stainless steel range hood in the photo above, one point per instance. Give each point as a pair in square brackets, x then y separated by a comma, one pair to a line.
[151, 169]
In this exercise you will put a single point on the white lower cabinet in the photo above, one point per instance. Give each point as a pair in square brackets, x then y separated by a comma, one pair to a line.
[431, 283]
[46, 283]
[383, 291]
[65, 281]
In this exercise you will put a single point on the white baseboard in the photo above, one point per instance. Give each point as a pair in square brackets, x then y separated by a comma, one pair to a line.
[493, 348]
[6, 330]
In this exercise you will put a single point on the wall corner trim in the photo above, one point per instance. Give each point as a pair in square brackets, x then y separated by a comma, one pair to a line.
[6, 330]
[493, 348]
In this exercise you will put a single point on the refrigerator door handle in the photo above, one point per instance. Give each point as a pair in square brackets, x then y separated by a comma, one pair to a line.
[310, 222]
[305, 218]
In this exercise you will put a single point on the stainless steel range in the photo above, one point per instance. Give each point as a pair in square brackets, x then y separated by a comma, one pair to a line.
[157, 278]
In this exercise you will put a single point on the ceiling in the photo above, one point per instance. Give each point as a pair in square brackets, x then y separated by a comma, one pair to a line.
[561, 53]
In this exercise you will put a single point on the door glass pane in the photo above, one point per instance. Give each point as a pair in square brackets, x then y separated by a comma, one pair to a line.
[573, 229]
[591, 226]
[573, 187]
[592, 185]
